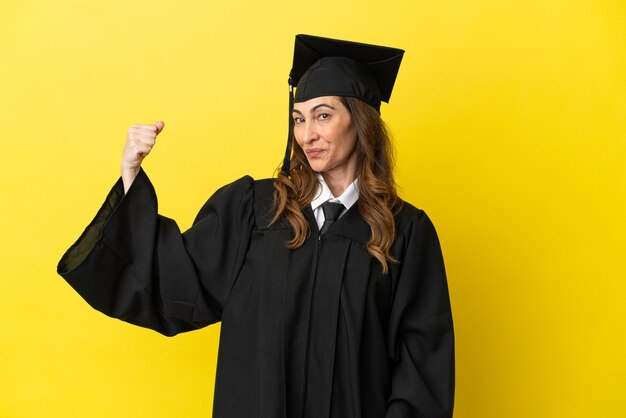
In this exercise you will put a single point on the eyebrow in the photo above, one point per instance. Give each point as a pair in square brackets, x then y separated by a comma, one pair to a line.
[314, 108]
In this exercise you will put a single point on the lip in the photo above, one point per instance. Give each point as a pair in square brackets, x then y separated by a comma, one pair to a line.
[314, 152]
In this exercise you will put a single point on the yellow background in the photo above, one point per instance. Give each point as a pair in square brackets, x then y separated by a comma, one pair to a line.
[509, 121]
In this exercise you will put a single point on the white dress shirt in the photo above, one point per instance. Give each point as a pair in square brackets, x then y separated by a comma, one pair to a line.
[347, 198]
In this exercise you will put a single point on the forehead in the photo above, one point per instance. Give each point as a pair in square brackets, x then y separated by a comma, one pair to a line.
[316, 102]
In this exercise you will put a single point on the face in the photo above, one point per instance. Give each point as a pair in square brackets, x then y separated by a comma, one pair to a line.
[324, 130]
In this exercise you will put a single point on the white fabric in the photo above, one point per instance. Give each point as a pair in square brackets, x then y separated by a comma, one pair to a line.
[347, 198]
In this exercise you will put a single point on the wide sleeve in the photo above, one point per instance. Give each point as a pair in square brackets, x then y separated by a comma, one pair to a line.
[420, 333]
[133, 264]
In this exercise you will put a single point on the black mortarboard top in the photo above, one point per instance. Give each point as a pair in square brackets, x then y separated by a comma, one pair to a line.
[333, 67]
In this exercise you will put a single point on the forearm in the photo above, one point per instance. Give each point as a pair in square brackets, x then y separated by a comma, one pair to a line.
[128, 176]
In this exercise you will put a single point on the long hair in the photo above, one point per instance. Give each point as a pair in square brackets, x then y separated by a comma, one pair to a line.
[378, 200]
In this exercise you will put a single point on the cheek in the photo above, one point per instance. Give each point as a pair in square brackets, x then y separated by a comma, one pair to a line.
[296, 135]
[347, 142]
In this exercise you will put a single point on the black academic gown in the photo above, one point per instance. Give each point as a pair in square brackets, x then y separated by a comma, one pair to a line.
[313, 332]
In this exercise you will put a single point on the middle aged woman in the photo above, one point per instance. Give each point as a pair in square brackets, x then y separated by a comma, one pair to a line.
[331, 290]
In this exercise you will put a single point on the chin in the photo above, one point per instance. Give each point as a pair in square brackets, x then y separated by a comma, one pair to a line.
[317, 166]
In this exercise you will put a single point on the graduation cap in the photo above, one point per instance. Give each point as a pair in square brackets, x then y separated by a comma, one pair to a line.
[333, 67]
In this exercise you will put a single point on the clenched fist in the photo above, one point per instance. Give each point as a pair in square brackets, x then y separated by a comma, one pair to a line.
[139, 143]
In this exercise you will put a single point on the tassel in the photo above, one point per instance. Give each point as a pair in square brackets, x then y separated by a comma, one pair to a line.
[287, 160]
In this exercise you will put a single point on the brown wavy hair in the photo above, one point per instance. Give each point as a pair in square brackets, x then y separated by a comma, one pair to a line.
[378, 200]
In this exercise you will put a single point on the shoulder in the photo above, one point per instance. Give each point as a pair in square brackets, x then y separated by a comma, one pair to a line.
[247, 186]
[255, 195]
[411, 220]
[415, 235]
[241, 185]
[232, 198]
[257, 189]
[263, 188]
[264, 208]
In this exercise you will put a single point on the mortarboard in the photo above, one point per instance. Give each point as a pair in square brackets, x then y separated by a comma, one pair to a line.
[333, 67]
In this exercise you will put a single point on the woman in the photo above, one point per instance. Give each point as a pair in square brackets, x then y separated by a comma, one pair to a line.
[331, 290]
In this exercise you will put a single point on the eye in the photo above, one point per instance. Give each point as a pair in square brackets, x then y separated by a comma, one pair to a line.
[324, 116]
[298, 120]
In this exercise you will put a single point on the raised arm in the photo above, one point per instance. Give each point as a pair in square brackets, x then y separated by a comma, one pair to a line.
[134, 264]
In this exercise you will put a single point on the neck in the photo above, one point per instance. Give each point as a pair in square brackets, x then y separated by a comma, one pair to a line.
[338, 182]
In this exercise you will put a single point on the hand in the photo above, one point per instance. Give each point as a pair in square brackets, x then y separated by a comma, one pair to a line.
[139, 143]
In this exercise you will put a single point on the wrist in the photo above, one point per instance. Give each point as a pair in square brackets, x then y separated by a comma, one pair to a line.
[128, 176]
[129, 171]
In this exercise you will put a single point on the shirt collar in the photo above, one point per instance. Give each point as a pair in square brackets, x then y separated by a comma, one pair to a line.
[347, 198]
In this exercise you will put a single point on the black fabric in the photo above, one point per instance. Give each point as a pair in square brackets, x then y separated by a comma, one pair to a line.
[331, 214]
[287, 157]
[313, 332]
[338, 76]
[334, 67]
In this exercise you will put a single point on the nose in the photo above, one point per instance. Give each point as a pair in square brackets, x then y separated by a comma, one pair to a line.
[309, 133]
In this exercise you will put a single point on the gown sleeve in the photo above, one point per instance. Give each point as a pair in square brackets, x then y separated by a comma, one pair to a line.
[133, 264]
[421, 337]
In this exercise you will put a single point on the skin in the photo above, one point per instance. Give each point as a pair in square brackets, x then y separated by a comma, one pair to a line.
[139, 142]
[324, 130]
